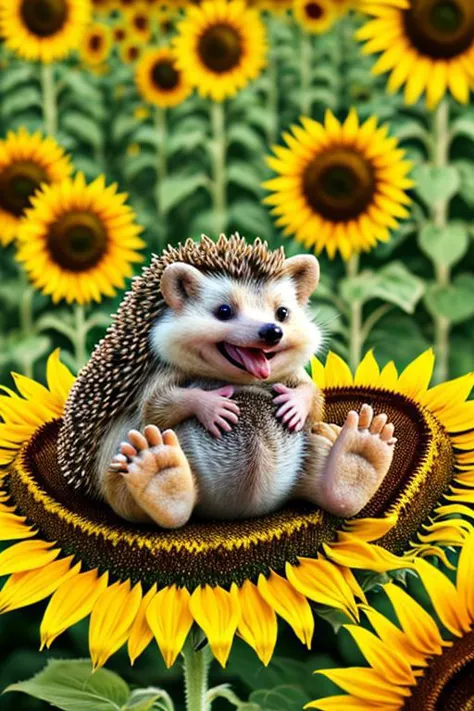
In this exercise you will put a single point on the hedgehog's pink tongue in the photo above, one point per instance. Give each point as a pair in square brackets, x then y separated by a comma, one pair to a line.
[252, 359]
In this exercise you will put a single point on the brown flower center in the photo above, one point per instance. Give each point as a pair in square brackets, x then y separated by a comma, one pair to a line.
[164, 76]
[119, 34]
[133, 53]
[441, 29]
[44, 17]
[220, 48]
[77, 241]
[448, 683]
[140, 22]
[339, 184]
[18, 183]
[314, 10]
[95, 43]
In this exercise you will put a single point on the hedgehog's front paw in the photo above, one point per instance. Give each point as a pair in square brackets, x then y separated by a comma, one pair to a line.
[295, 405]
[215, 411]
[157, 475]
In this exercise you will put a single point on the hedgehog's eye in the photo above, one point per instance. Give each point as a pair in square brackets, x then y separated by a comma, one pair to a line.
[282, 313]
[224, 312]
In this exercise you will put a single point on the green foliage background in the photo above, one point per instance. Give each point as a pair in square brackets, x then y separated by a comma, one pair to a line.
[397, 287]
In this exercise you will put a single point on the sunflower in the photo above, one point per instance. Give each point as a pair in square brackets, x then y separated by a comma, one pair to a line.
[220, 47]
[229, 577]
[130, 51]
[159, 81]
[417, 664]
[26, 162]
[426, 45]
[79, 241]
[97, 44]
[316, 16]
[119, 33]
[138, 583]
[44, 30]
[340, 187]
[138, 19]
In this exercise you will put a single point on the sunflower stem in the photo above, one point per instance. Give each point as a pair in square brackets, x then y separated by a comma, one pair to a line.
[161, 126]
[439, 214]
[50, 113]
[219, 166]
[355, 318]
[196, 672]
[80, 336]
[305, 72]
[27, 324]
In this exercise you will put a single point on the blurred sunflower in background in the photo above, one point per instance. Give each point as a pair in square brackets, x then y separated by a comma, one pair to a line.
[426, 45]
[220, 47]
[138, 19]
[27, 161]
[424, 661]
[341, 187]
[119, 33]
[79, 240]
[130, 51]
[316, 16]
[44, 30]
[158, 80]
[97, 44]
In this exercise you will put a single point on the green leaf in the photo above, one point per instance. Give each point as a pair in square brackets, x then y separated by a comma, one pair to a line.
[396, 337]
[455, 302]
[123, 126]
[250, 218]
[245, 136]
[464, 126]
[435, 183]
[21, 100]
[177, 188]
[393, 284]
[147, 134]
[80, 86]
[411, 130]
[148, 699]
[14, 76]
[132, 167]
[71, 686]
[466, 174]
[281, 698]
[444, 245]
[399, 286]
[84, 128]
[240, 173]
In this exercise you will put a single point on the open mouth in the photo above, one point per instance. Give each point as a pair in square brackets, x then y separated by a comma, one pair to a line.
[253, 360]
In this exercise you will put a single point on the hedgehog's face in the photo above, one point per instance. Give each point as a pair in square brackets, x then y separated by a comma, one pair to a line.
[238, 331]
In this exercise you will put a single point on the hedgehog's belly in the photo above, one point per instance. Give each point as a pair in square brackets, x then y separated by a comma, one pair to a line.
[249, 471]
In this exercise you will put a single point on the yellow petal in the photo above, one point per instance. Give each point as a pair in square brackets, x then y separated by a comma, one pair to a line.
[447, 395]
[26, 555]
[366, 684]
[170, 620]
[465, 575]
[23, 589]
[258, 623]
[337, 372]
[389, 376]
[445, 598]
[140, 633]
[71, 602]
[112, 617]
[322, 581]
[348, 703]
[370, 529]
[368, 371]
[289, 604]
[13, 527]
[355, 553]
[59, 378]
[418, 625]
[317, 372]
[389, 663]
[393, 636]
[217, 612]
[417, 375]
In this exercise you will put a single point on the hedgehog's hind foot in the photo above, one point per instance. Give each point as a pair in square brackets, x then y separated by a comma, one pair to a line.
[158, 476]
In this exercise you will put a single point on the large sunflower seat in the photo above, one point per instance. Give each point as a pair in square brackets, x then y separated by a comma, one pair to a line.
[229, 576]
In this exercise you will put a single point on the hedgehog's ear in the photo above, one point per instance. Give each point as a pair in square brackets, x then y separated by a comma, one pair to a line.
[304, 270]
[179, 283]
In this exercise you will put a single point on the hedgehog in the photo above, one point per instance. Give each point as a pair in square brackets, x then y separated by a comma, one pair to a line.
[197, 401]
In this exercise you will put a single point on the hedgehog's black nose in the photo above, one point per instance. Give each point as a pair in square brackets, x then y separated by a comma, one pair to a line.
[271, 333]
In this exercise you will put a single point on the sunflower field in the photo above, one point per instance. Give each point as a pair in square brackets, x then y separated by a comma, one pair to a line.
[340, 128]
